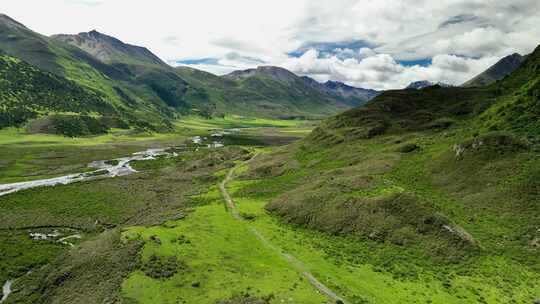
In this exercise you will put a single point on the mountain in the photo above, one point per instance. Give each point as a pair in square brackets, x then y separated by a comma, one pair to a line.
[146, 92]
[35, 49]
[109, 49]
[347, 94]
[275, 73]
[142, 68]
[138, 103]
[497, 71]
[291, 92]
[353, 95]
[418, 85]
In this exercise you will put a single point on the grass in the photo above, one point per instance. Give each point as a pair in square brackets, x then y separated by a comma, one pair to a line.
[26, 156]
[14, 136]
[20, 253]
[478, 192]
[374, 272]
[223, 260]
[159, 193]
[234, 121]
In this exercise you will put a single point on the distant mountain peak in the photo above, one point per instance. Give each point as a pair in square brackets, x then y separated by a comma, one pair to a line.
[107, 48]
[418, 85]
[343, 90]
[498, 71]
[274, 72]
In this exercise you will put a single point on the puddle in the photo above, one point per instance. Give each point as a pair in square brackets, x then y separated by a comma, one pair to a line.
[65, 236]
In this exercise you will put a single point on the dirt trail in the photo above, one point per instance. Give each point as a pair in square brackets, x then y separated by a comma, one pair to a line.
[292, 260]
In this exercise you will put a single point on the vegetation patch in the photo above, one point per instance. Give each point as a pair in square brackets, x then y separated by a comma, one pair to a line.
[162, 267]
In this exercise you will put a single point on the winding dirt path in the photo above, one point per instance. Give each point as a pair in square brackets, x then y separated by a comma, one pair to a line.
[292, 260]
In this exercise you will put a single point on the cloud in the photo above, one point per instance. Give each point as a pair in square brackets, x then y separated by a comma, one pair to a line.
[342, 49]
[171, 40]
[370, 43]
[223, 65]
[382, 71]
[463, 18]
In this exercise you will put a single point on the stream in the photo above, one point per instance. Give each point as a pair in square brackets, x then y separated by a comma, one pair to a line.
[6, 290]
[117, 167]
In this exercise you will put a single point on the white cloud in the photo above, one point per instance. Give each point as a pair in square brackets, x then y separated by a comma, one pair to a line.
[401, 30]
[382, 71]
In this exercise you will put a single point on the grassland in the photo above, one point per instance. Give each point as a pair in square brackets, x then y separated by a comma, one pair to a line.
[164, 236]
[95, 209]
[25, 156]
[397, 261]
[221, 259]
[235, 121]
[163, 190]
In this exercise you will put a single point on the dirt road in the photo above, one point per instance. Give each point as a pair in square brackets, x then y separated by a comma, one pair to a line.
[293, 261]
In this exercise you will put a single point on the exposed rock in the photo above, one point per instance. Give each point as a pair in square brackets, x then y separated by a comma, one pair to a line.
[460, 233]
[496, 142]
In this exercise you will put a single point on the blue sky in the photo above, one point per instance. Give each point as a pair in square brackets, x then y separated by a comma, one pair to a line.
[379, 44]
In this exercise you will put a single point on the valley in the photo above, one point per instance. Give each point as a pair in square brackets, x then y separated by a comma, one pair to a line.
[167, 234]
[127, 179]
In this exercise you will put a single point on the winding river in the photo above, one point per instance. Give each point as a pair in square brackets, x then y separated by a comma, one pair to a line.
[114, 168]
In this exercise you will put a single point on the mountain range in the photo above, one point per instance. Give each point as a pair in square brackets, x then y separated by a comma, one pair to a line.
[148, 93]
[142, 91]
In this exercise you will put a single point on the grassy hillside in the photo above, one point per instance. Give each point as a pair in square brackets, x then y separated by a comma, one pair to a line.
[439, 183]
[273, 91]
[138, 105]
[27, 93]
[518, 107]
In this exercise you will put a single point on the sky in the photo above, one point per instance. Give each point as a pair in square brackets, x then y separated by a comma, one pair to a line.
[376, 44]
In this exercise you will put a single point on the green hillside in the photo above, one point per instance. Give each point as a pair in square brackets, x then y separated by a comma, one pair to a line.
[138, 104]
[27, 93]
[440, 185]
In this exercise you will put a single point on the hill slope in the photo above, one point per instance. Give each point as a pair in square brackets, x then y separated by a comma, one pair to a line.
[274, 86]
[441, 180]
[138, 103]
[26, 92]
[497, 71]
